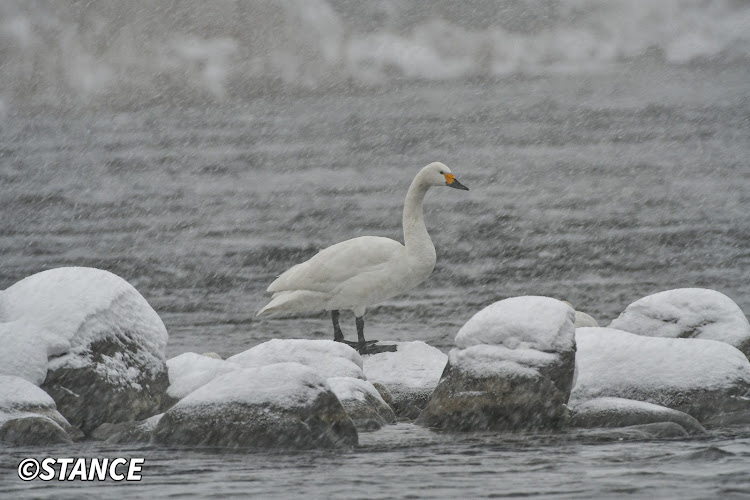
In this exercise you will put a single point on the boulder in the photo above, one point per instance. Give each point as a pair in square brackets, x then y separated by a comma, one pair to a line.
[687, 313]
[618, 412]
[90, 340]
[703, 378]
[410, 375]
[278, 406]
[362, 402]
[133, 432]
[33, 431]
[22, 400]
[513, 369]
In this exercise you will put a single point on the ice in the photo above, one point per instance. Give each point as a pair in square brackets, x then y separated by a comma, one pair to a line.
[614, 362]
[189, 371]
[282, 385]
[55, 315]
[329, 358]
[528, 322]
[414, 365]
[686, 312]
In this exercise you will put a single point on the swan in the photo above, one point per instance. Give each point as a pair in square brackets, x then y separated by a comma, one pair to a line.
[362, 271]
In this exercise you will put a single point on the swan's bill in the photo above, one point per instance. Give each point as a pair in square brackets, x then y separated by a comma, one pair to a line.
[450, 180]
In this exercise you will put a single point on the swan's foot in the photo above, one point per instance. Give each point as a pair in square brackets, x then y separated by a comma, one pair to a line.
[370, 348]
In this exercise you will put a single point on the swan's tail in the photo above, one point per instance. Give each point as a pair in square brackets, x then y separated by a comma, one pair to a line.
[294, 301]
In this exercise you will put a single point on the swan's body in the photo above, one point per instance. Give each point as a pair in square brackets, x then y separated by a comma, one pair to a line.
[363, 271]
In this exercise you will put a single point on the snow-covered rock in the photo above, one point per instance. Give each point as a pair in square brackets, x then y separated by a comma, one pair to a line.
[584, 320]
[618, 412]
[189, 371]
[687, 313]
[283, 405]
[20, 399]
[703, 378]
[410, 374]
[513, 369]
[328, 358]
[89, 339]
[362, 401]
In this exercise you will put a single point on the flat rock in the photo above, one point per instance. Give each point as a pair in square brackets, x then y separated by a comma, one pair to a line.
[279, 406]
[644, 432]
[33, 430]
[618, 412]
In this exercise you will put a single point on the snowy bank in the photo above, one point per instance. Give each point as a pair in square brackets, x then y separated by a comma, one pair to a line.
[703, 378]
[513, 369]
[89, 339]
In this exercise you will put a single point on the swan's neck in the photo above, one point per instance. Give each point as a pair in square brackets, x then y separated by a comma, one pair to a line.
[417, 241]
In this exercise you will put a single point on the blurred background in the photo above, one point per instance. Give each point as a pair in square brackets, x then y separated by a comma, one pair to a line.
[198, 149]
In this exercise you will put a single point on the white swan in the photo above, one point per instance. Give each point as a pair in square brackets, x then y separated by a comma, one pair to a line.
[362, 271]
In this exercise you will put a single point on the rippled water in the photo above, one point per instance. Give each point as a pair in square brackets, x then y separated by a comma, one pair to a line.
[597, 189]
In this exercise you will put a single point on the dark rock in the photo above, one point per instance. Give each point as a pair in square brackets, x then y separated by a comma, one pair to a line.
[616, 412]
[363, 403]
[657, 430]
[280, 406]
[33, 431]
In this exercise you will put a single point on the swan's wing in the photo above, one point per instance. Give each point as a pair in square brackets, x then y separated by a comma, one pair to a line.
[332, 266]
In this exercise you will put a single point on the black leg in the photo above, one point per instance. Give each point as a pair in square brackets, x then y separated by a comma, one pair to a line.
[338, 336]
[362, 345]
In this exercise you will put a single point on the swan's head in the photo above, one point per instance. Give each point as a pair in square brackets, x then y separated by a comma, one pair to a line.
[437, 174]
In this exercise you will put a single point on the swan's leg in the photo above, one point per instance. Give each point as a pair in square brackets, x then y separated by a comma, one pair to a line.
[361, 344]
[338, 336]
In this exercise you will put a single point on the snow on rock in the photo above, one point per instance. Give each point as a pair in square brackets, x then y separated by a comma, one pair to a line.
[362, 401]
[410, 374]
[89, 339]
[20, 399]
[529, 322]
[687, 313]
[329, 358]
[703, 378]
[513, 369]
[618, 412]
[282, 405]
[189, 371]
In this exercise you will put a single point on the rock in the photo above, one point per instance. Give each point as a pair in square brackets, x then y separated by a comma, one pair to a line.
[384, 393]
[513, 369]
[687, 313]
[279, 406]
[657, 430]
[703, 378]
[33, 431]
[617, 412]
[211, 355]
[410, 374]
[362, 402]
[584, 320]
[90, 340]
[328, 358]
[741, 417]
[20, 399]
[189, 371]
[134, 432]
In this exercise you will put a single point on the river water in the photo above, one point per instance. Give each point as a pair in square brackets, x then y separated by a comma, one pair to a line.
[597, 187]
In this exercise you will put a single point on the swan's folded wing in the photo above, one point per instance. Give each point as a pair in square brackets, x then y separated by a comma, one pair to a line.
[335, 265]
